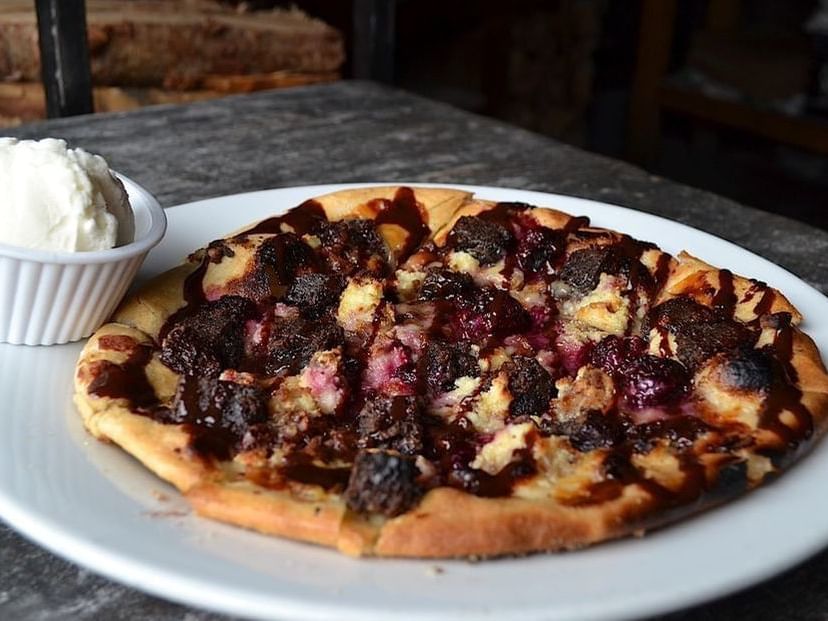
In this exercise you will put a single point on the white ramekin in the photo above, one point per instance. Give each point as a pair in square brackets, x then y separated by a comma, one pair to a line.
[48, 297]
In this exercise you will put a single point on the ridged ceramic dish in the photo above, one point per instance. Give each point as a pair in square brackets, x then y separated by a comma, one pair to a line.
[47, 298]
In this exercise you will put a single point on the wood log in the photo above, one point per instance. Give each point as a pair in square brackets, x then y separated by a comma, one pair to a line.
[22, 102]
[176, 43]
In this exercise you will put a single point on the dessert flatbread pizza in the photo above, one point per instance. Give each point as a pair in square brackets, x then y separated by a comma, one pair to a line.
[417, 372]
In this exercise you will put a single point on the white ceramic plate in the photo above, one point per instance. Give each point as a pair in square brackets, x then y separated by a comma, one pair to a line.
[93, 504]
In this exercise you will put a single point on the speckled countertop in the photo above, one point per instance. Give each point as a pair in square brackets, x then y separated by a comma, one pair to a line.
[349, 132]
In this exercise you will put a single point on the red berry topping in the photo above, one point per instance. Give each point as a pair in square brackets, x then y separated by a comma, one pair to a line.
[613, 352]
[650, 381]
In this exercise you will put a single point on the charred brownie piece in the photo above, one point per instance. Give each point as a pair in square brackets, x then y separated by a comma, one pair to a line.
[700, 332]
[286, 255]
[209, 340]
[363, 235]
[531, 386]
[383, 482]
[583, 268]
[315, 294]
[442, 363]
[486, 241]
[391, 423]
[350, 246]
[699, 342]
[219, 414]
[596, 431]
[677, 314]
[293, 342]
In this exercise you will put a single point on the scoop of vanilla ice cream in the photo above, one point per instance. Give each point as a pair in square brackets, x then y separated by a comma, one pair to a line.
[55, 198]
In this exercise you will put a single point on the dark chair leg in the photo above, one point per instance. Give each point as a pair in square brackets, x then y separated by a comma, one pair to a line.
[374, 39]
[64, 57]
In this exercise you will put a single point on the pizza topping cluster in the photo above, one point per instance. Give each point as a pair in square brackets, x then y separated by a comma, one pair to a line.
[510, 355]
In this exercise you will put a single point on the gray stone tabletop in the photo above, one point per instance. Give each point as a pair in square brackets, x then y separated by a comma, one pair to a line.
[349, 132]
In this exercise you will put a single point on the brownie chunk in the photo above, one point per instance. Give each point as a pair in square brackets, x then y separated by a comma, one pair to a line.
[315, 294]
[351, 246]
[286, 255]
[383, 482]
[209, 340]
[359, 233]
[699, 342]
[596, 431]
[583, 268]
[531, 386]
[219, 414]
[678, 314]
[442, 363]
[486, 241]
[391, 423]
[700, 332]
[444, 284]
[293, 342]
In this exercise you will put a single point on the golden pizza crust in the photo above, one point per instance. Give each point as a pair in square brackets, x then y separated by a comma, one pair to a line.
[489, 526]
[161, 448]
[271, 512]
[693, 277]
[447, 522]
[439, 203]
[495, 527]
[812, 380]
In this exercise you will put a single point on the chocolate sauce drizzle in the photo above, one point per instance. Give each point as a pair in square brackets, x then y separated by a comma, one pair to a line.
[784, 396]
[407, 213]
[301, 220]
[765, 303]
[725, 298]
[193, 291]
[301, 468]
[662, 270]
[127, 380]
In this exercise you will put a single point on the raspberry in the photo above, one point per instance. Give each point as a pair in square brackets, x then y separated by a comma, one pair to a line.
[612, 353]
[540, 250]
[650, 381]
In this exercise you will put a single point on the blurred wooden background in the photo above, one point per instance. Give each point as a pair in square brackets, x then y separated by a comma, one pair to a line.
[727, 95]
